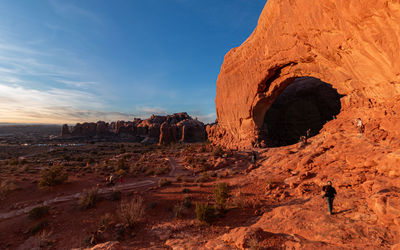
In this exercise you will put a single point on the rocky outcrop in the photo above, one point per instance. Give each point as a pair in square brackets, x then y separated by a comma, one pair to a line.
[65, 130]
[178, 127]
[351, 45]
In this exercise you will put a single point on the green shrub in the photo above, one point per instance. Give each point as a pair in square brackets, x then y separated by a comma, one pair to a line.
[131, 212]
[38, 212]
[163, 182]
[204, 212]
[89, 198]
[53, 176]
[221, 194]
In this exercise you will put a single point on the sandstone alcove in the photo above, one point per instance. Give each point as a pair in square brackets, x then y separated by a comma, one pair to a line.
[306, 103]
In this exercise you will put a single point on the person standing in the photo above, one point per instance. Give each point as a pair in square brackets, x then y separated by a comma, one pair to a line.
[330, 193]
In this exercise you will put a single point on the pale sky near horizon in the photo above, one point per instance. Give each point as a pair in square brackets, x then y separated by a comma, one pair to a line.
[68, 61]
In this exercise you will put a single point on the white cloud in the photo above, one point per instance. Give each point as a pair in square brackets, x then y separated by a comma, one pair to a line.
[209, 118]
[20, 104]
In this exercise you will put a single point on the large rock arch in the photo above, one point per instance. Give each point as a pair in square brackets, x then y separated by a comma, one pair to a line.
[352, 45]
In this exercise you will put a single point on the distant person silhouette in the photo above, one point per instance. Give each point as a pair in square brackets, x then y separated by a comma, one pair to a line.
[330, 193]
[110, 180]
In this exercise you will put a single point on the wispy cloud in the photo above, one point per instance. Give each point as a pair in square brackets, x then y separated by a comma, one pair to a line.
[20, 104]
[69, 11]
[143, 111]
[209, 118]
[79, 84]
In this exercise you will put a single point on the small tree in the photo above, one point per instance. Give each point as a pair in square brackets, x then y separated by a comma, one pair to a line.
[221, 194]
[53, 176]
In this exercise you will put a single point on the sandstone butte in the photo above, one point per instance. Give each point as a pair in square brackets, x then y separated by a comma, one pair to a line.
[351, 45]
[353, 48]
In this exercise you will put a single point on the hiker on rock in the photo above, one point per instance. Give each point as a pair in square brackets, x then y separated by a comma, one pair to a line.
[360, 125]
[110, 180]
[330, 193]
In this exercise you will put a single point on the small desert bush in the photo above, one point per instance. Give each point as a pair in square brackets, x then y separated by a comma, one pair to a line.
[121, 164]
[38, 227]
[38, 212]
[161, 170]
[218, 151]
[203, 178]
[53, 176]
[205, 213]
[132, 211]
[120, 173]
[221, 194]
[238, 199]
[105, 222]
[253, 243]
[7, 186]
[185, 190]
[187, 202]
[163, 182]
[179, 210]
[115, 195]
[89, 198]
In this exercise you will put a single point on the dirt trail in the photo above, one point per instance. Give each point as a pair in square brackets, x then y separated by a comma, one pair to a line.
[175, 168]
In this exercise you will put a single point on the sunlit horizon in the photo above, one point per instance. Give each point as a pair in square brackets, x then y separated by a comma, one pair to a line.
[76, 61]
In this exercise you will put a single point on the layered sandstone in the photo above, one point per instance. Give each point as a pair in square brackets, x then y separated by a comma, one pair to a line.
[351, 45]
[179, 127]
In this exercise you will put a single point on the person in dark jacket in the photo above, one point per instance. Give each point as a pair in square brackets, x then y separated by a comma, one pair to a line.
[330, 193]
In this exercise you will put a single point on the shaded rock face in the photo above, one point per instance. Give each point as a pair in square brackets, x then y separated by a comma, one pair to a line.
[349, 45]
[65, 130]
[300, 110]
[178, 127]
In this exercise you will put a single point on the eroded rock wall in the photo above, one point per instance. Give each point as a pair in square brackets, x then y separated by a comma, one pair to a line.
[352, 45]
[179, 127]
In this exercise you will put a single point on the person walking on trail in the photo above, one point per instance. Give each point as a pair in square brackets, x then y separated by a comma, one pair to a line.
[330, 193]
[110, 180]
[360, 125]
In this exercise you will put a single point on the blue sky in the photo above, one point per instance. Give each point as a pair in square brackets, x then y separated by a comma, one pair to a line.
[70, 61]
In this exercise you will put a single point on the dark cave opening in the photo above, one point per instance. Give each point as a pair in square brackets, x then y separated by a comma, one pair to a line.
[306, 104]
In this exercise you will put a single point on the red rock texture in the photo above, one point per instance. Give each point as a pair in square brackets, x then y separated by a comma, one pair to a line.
[178, 127]
[351, 45]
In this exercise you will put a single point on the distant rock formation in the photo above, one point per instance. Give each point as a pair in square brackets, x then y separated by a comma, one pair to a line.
[179, 127]
[353, 46]
[65, 130]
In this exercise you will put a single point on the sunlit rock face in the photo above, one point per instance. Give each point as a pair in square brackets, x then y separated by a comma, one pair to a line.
[352, 46]
[179, 127]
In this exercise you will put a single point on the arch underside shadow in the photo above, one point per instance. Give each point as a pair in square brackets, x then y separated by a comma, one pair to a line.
[306, 104]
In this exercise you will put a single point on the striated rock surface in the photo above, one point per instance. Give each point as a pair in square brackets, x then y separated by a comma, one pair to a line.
[351, 45]
[178, 127]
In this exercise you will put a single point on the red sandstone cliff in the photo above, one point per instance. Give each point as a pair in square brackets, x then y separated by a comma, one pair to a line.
[352, 45]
